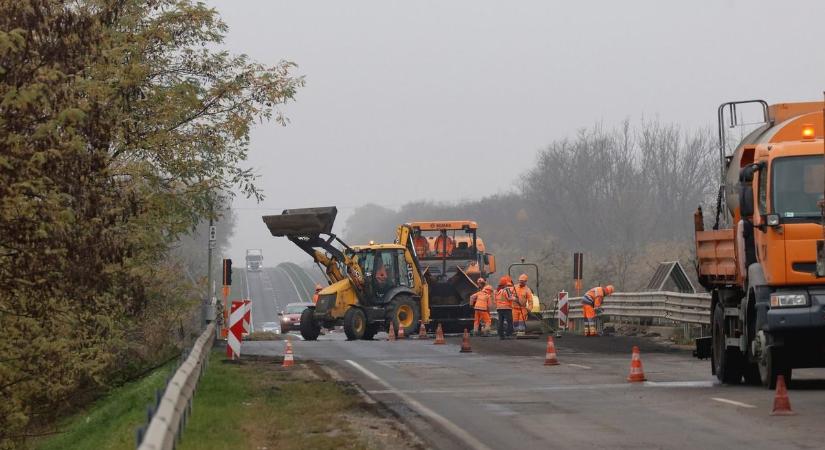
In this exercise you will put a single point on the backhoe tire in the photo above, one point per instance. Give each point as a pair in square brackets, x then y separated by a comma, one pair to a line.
[371, 331]
[729, 363]
[772, 364]
[404, 312]
[355, 324]
[310, 329]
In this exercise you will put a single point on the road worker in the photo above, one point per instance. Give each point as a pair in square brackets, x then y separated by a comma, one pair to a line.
[505, 296]
[315, 296]
[481, 302]
[592, 306]
[523, 304]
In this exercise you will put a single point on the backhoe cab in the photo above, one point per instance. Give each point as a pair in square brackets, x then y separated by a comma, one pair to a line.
[370, 287]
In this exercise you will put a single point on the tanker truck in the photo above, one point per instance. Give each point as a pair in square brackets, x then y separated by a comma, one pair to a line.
[759, 260]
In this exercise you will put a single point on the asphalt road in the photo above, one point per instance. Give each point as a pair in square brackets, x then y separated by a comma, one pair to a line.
[501, 396]
[272, 288]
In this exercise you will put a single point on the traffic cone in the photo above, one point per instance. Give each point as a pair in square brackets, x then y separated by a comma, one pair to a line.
[439, 336]
[636, 372]
[422, 331]
[289, 359]
[391, 336]
[550, 358]
[781, 403]
[401, 332]
[465, 343]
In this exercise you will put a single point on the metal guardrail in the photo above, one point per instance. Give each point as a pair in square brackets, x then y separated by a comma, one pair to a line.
[673, 306]
[174, 407]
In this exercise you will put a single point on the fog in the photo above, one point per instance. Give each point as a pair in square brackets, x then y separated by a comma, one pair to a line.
[451, 100]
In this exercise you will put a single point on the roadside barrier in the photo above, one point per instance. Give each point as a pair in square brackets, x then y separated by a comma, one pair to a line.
[664, 305]
[236, 330]
[174, 406]
[781, 402]
[636, 372]
[550, 358]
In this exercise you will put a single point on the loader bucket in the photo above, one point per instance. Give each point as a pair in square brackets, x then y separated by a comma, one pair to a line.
[302, 221]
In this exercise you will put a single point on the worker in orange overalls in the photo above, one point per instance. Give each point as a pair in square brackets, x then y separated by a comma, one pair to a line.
[592, 306]
[318, 289]
[505, 296]
[481, 302]
[523, 304]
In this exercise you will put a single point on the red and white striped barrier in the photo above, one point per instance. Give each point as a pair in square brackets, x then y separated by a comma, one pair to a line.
[564, 309]
[236, 329]
[247, 316]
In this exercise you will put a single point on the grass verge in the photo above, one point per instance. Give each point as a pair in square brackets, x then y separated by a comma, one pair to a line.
[110, 422]
[255, 403]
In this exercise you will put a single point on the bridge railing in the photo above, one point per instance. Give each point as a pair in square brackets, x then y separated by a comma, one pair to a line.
[668, 306]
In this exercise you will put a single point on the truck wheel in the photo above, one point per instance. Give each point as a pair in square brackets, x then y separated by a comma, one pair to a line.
[371, 331]
[772, 364]
[728, 363]
[403, 311]
[309, 327]
[355, 324]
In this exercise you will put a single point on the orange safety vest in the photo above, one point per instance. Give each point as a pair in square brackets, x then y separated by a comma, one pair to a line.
[505, 298]
[315, 298]
[481, 300]
[525, 296]
[594, 297]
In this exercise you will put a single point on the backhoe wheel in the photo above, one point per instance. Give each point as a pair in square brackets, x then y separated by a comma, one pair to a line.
[310, 329]
[371, 331]
[403, 311]
[355, 324]
[772, 364]
[728, 363]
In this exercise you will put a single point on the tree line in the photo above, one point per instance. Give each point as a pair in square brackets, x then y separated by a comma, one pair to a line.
[623, 195]
[123, 126]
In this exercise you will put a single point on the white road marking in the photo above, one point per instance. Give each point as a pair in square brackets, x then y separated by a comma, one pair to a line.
[424, 411]
[732, 402]
[560, 387]
[702, 383]
[579, 366]
[297, 292]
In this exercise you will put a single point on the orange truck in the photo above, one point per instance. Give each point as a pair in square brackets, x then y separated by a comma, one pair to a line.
[759, 260]
[452, 258]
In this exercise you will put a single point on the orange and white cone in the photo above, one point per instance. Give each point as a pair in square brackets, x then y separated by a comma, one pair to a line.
[439, 336]
[289, 359]
[781, 402]
[401, 334]
[465, 343]
[636, 372]
[391, 334]
[422, 331]
[550, 358]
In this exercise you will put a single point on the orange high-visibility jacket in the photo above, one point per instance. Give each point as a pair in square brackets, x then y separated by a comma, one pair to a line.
[505, 298]
[481, 300]
[525, 297]
[594, 297]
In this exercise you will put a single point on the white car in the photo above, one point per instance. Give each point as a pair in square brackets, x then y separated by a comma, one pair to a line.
[272, 327]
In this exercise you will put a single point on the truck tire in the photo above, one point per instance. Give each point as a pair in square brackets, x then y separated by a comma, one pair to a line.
[404, 312]
[309, 327]
[371, 331]
[728, 363]
[772, 364]
[355, 324]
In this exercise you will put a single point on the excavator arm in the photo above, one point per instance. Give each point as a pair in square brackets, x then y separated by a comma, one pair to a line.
[306, 228]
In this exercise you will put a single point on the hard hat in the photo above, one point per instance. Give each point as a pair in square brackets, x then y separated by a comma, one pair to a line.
[522, 277]
[505, 280]
[608, 289]
[480, 280]
[487, 287]
[318, 287]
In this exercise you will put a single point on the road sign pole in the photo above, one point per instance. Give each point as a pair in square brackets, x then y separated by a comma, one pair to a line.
[209, 293]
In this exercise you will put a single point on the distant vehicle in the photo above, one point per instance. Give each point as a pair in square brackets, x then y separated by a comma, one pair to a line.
[254, 259]
[291, 317]
[271, 327]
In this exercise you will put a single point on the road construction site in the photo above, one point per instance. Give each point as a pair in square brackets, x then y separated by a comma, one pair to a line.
[501, 395]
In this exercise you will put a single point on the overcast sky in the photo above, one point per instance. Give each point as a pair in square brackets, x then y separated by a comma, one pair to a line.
[449, 100]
